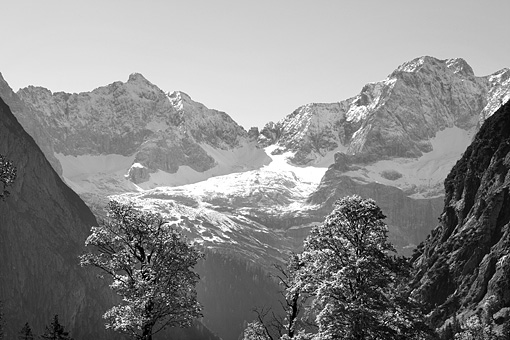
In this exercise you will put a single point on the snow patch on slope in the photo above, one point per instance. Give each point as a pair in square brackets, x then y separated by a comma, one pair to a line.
[285, 186]
[280, 163]
[93, 174]
[244, 158]
[420, 177]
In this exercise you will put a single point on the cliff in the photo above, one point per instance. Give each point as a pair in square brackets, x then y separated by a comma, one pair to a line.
[43, 226]
[464, 264]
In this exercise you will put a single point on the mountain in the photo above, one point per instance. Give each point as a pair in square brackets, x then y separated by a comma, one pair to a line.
[133, 134]
[43, 226]
[395, 142]
[395, 117]
[254, 195]
[253, 213]
[464, 263]
[258, 192]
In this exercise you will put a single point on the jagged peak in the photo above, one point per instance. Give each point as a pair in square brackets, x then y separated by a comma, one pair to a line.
[415, 64]
[455, 65]
[427, 64]
[501, 75]
[4, 83]
[460, 66]
[180, 95]
[137, 77]
[32, 88]
[178, 99]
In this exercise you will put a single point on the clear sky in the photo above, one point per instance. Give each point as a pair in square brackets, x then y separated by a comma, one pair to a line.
[256, 60]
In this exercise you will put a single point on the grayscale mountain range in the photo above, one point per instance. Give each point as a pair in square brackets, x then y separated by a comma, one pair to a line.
[258, 192]
[252, 196]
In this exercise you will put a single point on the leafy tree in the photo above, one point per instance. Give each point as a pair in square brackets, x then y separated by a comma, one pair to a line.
[151, 266]
[55, 331]
[256, 331]
[295, 297]
[358, 286]
[7, 175]
[26, 333]
[475, 329]
[481, 326]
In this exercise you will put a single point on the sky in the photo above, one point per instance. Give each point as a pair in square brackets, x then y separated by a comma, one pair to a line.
[255, 60]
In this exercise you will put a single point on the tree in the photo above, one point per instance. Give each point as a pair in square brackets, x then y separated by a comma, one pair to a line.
[475, 329]
[271, 325]
[481, 326]
[357, 285]
[256, 331]
[55, 331]
[7, 175]
[295, 297]
[26, 333]
[151, 267]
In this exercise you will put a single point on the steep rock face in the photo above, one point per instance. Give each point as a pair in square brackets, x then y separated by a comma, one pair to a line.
[163, 132]
[465, 261]
[43, 228]
[27, 118]
[395, 117]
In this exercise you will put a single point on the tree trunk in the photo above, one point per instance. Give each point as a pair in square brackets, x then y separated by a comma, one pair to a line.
[147, 332]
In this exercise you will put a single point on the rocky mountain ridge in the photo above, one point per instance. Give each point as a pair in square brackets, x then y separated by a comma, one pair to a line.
[155, 131]
[464, 266]
[395, 117]
[43, 227]
[398, 138]
[255, 194]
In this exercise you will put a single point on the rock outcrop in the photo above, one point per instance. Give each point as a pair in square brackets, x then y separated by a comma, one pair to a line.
[465, 262]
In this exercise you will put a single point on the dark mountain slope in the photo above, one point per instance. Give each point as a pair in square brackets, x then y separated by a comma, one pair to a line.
[465, 262]
[43, 225]
[229, 289]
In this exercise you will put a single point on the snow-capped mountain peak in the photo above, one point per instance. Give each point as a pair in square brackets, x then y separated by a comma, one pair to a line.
[460, 66]
[136, 77]
[174, 154]
[395, 117]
